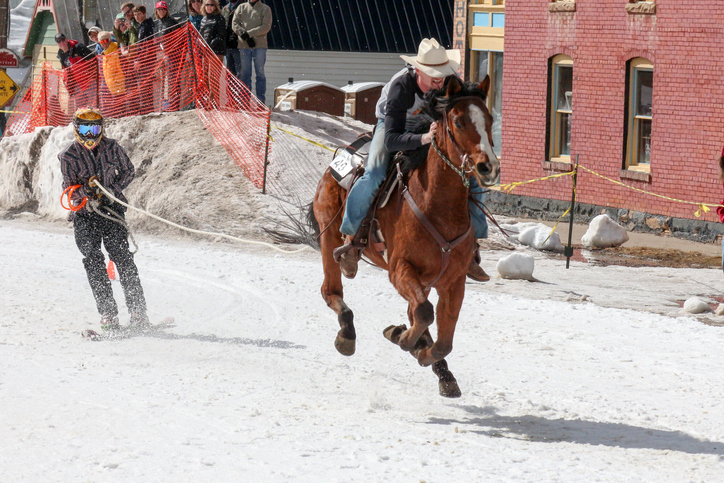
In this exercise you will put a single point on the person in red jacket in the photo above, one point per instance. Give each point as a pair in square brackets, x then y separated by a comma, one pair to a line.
[79, 69]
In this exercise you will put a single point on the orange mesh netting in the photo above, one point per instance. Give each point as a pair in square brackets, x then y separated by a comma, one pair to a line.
[164, 73]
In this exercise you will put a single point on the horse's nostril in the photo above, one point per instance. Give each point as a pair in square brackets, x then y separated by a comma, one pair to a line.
[483, 168]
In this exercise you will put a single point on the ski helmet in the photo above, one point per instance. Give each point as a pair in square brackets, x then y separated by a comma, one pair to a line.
[88, 126]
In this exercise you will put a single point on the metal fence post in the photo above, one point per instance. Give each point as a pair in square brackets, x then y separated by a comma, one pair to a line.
[568, 252]
[266, 153]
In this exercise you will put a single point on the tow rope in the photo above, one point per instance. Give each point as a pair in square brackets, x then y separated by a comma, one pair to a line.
[107, 193]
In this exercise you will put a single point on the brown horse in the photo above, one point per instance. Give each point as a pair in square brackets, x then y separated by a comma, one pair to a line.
[429, 238]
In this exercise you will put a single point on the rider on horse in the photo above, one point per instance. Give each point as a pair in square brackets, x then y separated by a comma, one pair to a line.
[400, 99]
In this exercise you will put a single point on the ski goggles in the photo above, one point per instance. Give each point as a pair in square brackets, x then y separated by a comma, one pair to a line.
[90, 129]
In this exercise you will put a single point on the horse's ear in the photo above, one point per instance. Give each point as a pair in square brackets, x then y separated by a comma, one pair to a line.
[485, 85]
[454, 86]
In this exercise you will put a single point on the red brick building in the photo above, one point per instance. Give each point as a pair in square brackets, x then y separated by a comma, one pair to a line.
[636, 89]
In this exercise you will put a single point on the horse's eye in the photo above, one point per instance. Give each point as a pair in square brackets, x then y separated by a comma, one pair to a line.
[458, 123]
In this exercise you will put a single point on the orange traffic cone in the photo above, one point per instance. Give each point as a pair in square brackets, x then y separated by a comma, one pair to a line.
[111, 270]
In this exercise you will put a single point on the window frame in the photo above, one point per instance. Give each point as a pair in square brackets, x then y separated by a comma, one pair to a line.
[554, 116]
[493, 91]
[633, 119]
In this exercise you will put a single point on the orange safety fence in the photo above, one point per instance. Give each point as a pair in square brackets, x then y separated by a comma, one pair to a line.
[164, 73]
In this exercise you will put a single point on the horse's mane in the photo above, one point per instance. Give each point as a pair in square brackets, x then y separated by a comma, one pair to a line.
[437, 103]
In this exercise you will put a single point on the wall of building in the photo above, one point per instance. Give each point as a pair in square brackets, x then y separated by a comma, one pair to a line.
[683, 39]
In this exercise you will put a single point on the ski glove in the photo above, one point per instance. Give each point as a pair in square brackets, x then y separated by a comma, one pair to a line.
[251, 42]
[245, 36]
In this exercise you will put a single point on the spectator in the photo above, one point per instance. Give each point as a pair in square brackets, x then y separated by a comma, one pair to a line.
[252, 21]
[145, 58]
[145, 24]
[195, 13]
[112, 70]
[71, 51]
[233, 56]
[213, 28]
[163, 21]
[93, 36]
[78, 79]
[125, 28]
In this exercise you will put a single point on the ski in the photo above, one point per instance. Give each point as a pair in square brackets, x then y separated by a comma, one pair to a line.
[126, 332]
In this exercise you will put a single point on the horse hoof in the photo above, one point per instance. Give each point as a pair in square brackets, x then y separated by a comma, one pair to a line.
[449, 389]
[393, 333]
[344, 346]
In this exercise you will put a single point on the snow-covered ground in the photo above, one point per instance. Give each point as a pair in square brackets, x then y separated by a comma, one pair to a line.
[248, 386]
[585, 374]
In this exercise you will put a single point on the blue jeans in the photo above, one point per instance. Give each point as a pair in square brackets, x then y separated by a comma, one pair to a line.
[233, 61]
[363, 192]
[259, 57]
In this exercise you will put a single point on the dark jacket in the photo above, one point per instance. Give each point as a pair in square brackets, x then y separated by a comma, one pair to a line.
[232, 41]
[108, 161]
[145, 30]
[213, 31]
[400, 97]
[163, 25]
[76, 52]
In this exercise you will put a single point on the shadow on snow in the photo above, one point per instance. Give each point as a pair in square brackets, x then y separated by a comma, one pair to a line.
[542, 430]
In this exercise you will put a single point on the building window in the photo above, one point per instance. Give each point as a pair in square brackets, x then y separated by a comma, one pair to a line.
[491, 63]
[560, 95]
[639, 97]
[489, 19]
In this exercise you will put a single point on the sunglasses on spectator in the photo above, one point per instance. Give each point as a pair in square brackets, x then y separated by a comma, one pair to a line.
[127, 12]
[89, 130]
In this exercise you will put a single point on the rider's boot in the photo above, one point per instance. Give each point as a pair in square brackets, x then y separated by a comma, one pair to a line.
[475, 271]
[348, 256]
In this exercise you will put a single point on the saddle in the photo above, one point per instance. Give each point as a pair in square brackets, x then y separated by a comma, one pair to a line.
[369, 234]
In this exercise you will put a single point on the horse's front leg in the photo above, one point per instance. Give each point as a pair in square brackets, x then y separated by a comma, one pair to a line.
[420, 311]
[450, 301]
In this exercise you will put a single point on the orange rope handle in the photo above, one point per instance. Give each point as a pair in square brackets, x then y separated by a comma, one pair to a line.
[71, 207]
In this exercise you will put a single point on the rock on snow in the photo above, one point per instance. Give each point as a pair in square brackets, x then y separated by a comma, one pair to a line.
[517, 265]
[603, 232]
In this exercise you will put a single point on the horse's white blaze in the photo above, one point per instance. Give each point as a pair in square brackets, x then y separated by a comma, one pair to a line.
[478, 118]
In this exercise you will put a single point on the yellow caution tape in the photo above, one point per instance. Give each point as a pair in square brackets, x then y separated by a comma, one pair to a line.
[305, 139]
[703, 207]
[15, 112]
[507, 188]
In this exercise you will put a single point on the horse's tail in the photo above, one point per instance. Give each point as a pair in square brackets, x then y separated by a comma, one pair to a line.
[312, 222]
[298, 228]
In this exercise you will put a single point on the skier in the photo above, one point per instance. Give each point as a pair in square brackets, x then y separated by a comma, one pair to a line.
[92, 157]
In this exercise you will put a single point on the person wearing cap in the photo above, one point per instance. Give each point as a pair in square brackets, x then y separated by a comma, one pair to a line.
[112, 69]
[163, 22]
[400, 98]
[93, 36]
[252, 22]
[71, 51]
[78, 79]
[125, 27]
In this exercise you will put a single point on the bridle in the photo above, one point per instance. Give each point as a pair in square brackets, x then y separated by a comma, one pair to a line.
[465, 164]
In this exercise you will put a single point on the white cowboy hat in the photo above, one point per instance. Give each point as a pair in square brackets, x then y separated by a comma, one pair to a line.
[434, 60]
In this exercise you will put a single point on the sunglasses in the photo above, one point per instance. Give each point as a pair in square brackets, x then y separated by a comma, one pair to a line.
[90, 130]
[126, 12]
